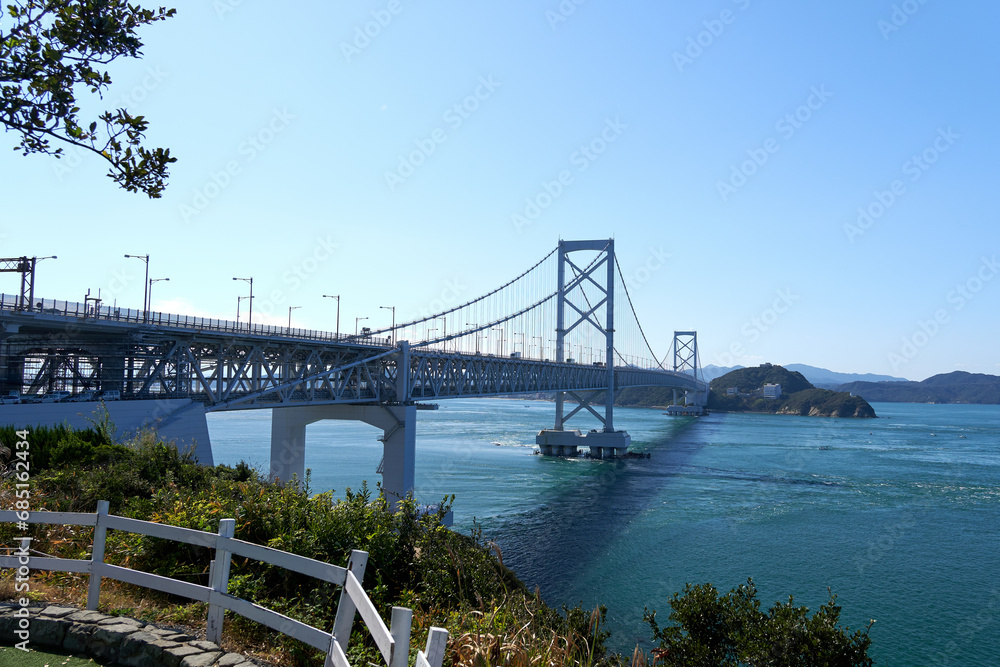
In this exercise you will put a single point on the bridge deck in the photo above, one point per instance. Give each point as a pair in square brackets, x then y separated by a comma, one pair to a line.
[230, 366]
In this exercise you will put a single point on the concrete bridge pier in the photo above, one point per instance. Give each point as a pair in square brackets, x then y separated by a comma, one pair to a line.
[398, 424]
[608, 444]
[557, 442]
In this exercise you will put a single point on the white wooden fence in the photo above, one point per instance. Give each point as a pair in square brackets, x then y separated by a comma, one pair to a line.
[392, 643]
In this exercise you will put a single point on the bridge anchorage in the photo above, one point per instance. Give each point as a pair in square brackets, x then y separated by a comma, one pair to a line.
[499, 344]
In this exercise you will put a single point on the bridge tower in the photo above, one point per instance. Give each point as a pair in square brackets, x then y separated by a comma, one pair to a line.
[584, 311]
[686, 361]
[686, 352]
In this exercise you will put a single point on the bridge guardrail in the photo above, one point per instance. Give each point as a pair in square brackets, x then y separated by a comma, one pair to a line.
[393, 643]
[10, 302]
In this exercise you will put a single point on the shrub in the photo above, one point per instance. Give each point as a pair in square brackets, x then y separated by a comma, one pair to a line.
[732, 630]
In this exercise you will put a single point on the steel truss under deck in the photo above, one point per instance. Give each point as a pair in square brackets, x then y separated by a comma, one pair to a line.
[231, 372]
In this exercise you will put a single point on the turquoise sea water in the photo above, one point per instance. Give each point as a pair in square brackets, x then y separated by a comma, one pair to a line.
[900, 516]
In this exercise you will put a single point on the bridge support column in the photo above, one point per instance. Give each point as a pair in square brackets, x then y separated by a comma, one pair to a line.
[399, 427]
[557, 442]
[288, 443]
[399, 437]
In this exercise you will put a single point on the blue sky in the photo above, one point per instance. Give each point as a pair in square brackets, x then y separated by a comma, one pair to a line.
[734, 143]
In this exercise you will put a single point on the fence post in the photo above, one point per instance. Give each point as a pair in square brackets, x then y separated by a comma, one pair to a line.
[219, 581]
[97, 555]
[437, 642]
[344, 621]
[400, 631]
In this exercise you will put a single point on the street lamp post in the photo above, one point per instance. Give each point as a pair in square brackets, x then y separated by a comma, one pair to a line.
[444, 332]
[503, 337]
[474, 325]
[145, 285]
[250, 315]
[239, 300]
[393, 309]
[356, 320]
[337, 297]
[514, 343]
[290, 309]
[154, 280]
[539, 339]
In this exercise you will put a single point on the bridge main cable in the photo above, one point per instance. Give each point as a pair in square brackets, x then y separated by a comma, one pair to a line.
[636, 316]
[507, 318]
[464, 305]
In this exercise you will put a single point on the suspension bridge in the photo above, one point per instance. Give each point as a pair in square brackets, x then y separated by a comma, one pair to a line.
[566, 325]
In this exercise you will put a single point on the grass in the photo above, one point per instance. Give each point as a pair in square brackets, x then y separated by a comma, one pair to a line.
[12, 657]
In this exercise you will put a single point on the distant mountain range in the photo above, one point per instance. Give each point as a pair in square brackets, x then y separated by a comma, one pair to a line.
[819, 377]
[712, 371]
[825, 379]
[956, 387]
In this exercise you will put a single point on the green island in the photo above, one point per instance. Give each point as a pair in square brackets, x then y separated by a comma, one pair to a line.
[452, 580]
[746, 390]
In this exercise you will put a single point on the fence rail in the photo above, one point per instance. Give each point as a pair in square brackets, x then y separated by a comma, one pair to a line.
[85, 311]
[392, 641]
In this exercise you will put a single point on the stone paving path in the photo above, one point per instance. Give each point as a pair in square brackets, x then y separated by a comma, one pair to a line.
[112, 639]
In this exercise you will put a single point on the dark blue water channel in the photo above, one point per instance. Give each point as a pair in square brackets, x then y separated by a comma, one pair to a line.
[900, 516]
